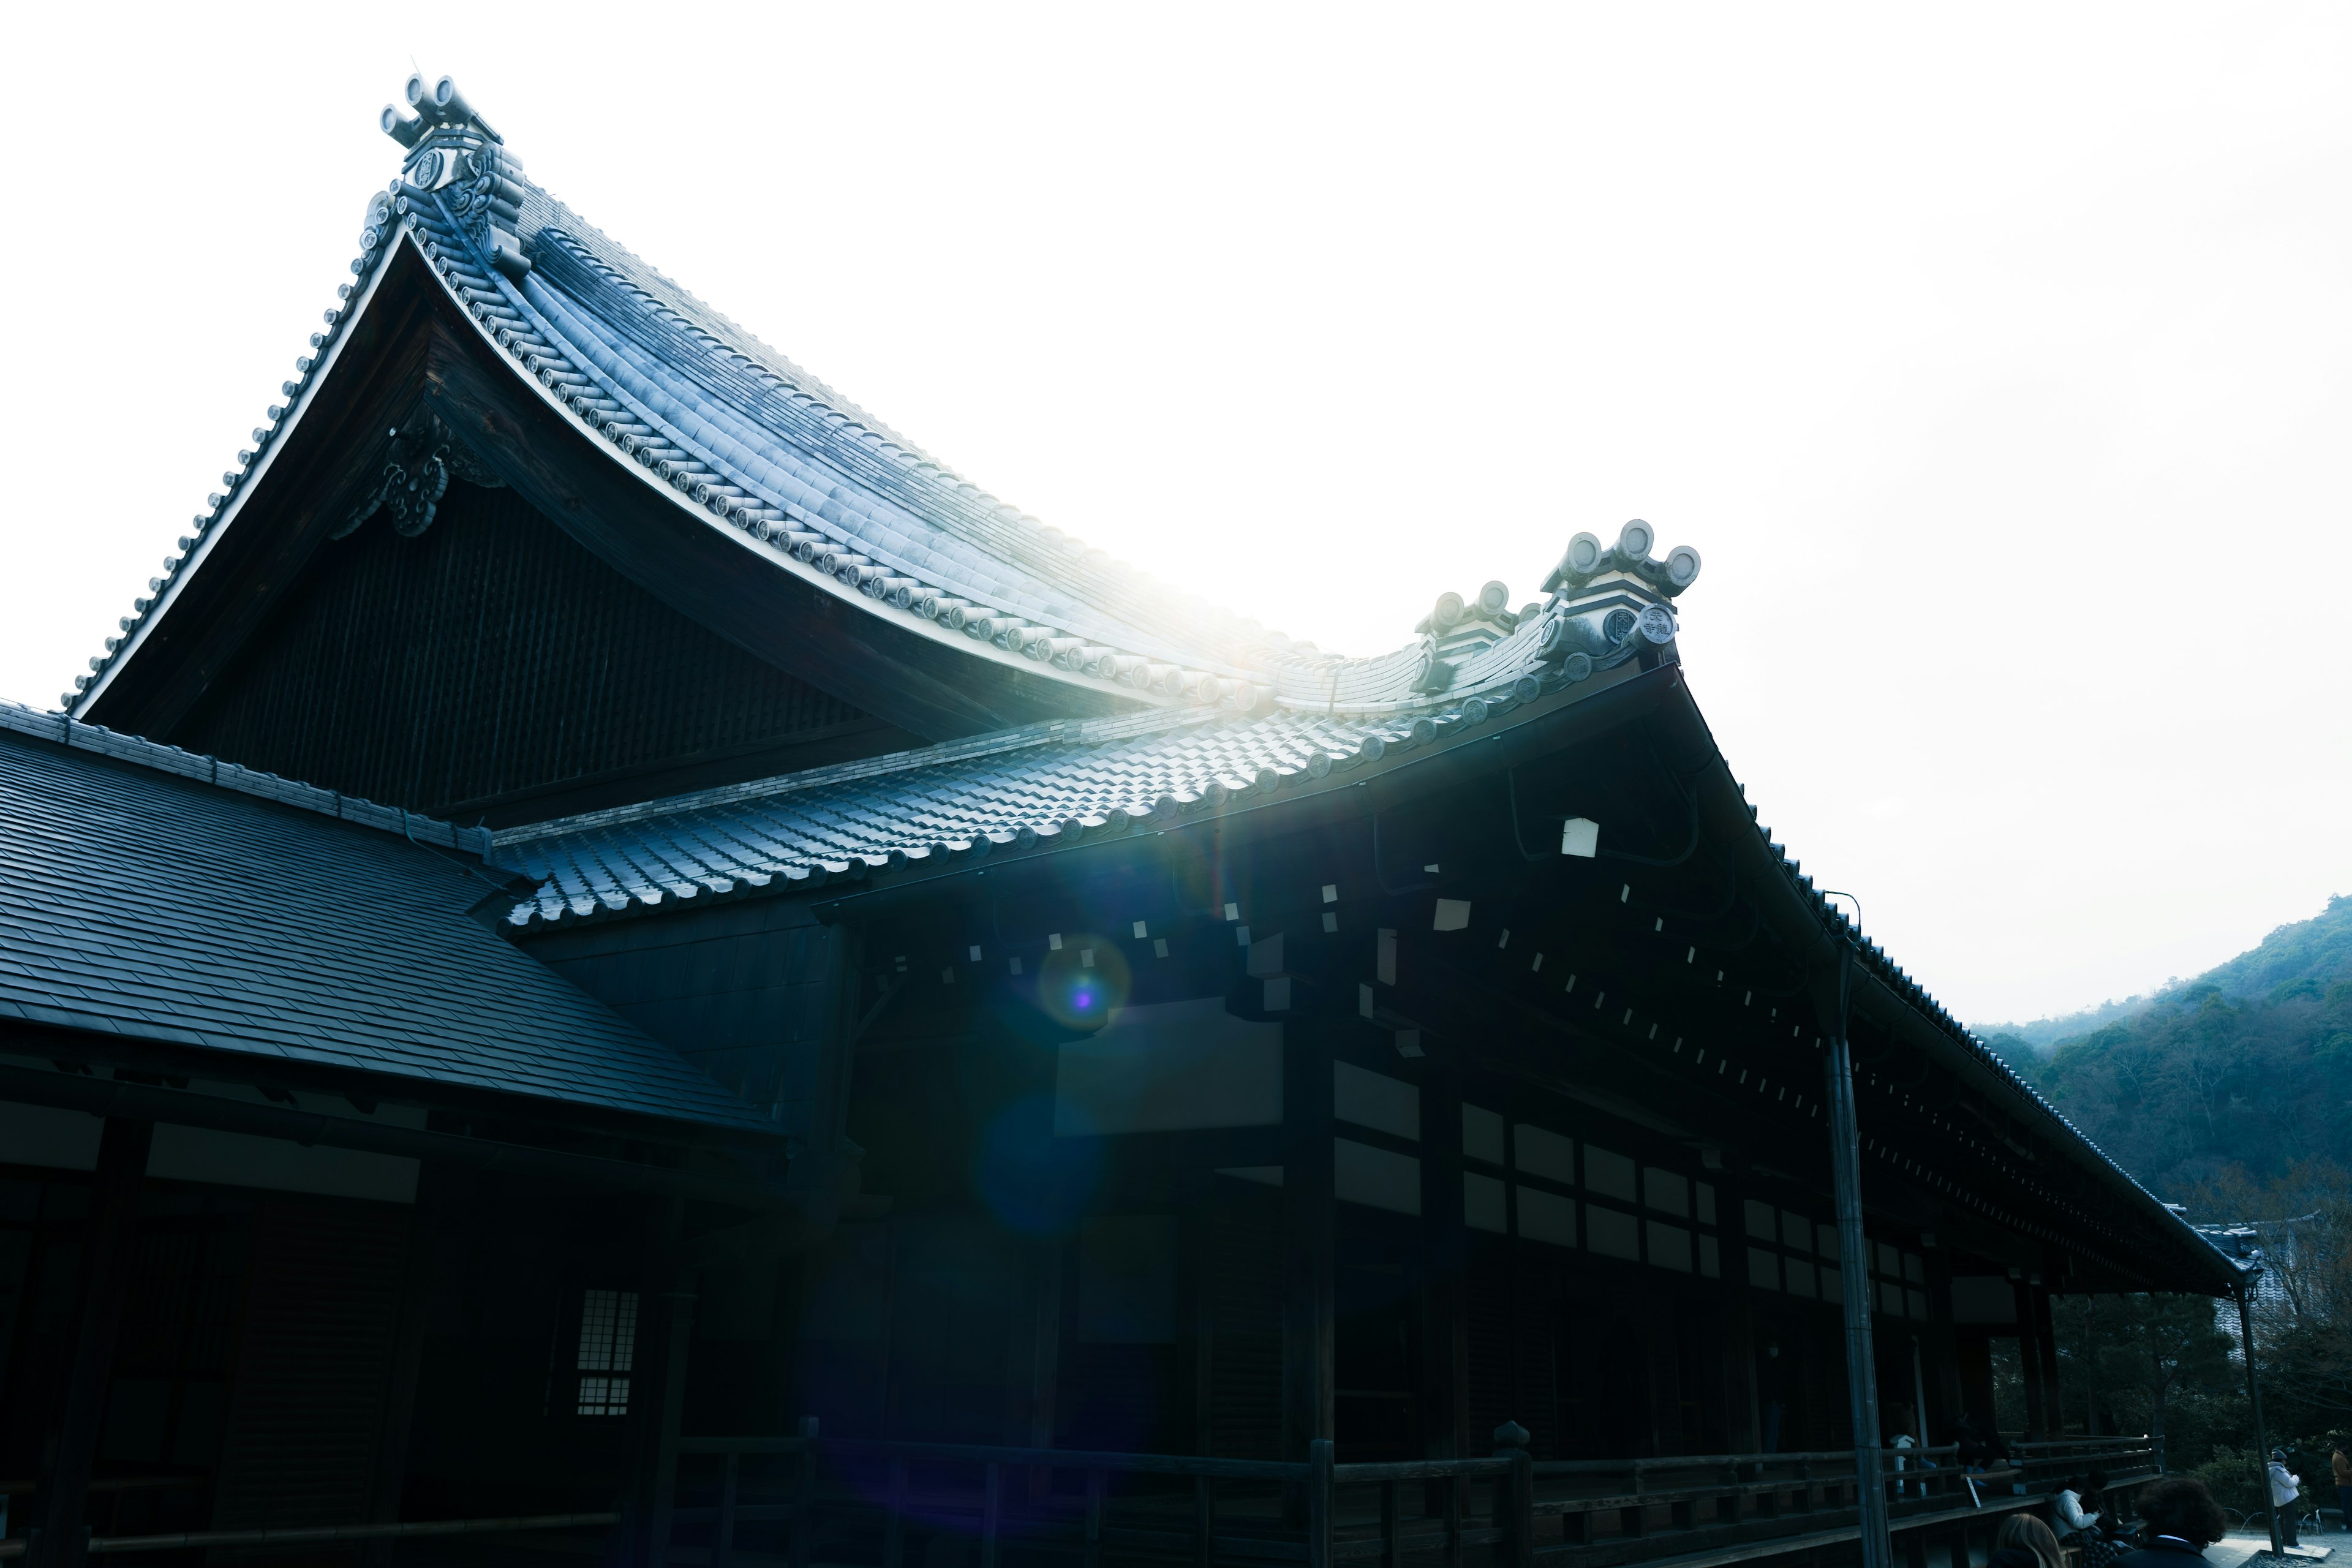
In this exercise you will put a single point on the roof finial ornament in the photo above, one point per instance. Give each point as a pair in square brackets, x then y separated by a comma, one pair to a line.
[454, 155]
[437, 104]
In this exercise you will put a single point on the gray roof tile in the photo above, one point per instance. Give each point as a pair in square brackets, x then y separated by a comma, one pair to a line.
[138, 901]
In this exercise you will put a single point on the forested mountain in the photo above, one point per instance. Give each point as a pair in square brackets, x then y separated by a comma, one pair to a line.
[2249, 1065]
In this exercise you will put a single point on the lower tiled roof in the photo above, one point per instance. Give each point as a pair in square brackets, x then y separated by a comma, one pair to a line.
[957, 802]
[140, 900]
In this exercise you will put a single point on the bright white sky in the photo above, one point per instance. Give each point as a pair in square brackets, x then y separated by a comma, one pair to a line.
[1995, 359]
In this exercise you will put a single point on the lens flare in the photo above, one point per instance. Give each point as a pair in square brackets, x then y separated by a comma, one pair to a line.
[1084, 984]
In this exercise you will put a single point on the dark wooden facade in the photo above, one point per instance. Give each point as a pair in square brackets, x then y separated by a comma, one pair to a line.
[1331, 1105]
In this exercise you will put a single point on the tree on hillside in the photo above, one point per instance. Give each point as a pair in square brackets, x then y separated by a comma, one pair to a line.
[2200, 1082]
[2303, 1309]
[2151, 1351]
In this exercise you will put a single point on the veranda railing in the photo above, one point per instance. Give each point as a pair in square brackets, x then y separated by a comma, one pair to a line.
[790, 1501]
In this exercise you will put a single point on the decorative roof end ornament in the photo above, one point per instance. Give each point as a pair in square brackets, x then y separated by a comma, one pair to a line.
[1588, 558]
[1613, 602]
[439, 104]
[455, 154]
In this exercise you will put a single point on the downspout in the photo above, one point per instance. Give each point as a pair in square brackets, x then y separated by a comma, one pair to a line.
[1853, 1256]
[2255, 1397]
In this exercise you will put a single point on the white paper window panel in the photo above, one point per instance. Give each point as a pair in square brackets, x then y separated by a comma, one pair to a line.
[1705, 1194]
[1917, 1301]
[1763, 1223]
[1612, 1232]
[1833, 1284]
[1890, 1298]
[1168, 1067]
[1797, 1230]
[1126, 1280]
[1710, 1258]
[608, 1331]
[1376, 1101]
[1547, 1216]
[1481, 1134]
[1763, 1268]
[1542, 1153]
[1800, 1275]
[1915, 1268]
[1608, 1173]
[1828, 1236]
[1890, 1261]
[604, 1397]
[1484, 1205]
[1667, 1191]
[1376, 1178]
[1670, 1246]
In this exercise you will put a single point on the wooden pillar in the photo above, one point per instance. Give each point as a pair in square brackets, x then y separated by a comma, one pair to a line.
[2045, 1341]
[105, 1279]
[1853, 1262]
[1045, 1356]
[1446, 1322]
[658, 1391]
[2029, 1358]
[419, 1277]
[1943, 1366]
[1308, 1309]
[1742, 1413]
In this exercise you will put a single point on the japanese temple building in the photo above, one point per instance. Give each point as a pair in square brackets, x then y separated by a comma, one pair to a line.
[606, 922]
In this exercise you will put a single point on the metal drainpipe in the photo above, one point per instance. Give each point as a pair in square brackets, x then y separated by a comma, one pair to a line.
[2254, 1396]
[1861, 1368]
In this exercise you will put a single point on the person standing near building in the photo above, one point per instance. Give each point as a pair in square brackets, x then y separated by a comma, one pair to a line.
[2284, 1488]
[2342, 1468]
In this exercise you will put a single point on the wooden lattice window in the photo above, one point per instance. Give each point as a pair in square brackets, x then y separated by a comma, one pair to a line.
[607, 1354]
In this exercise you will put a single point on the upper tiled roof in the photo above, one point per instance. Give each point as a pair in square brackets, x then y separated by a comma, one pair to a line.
[155, 896]
[814, 485]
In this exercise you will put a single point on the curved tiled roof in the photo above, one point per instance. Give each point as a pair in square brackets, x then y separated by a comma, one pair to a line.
[1046, 785]
[810, 483]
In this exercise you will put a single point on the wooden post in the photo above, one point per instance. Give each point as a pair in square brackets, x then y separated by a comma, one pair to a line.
[804, 1494]
[1391, 1549]
[678, 1312]
[1204, 1520]
[1454, 1496]
[894, 1529]
[1742, 1410]
[1318, 1503]
[1853, 1270]
[105, 1278]
[1307, 1306]
[2045, 1336]
[2255, 1397]
[1094, 1519]
[1515, 1499]
[1446, 1326]
[990, 1499]
[657, 1393]
[407, 1360]
[2028, 1359]
[722, 1544]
